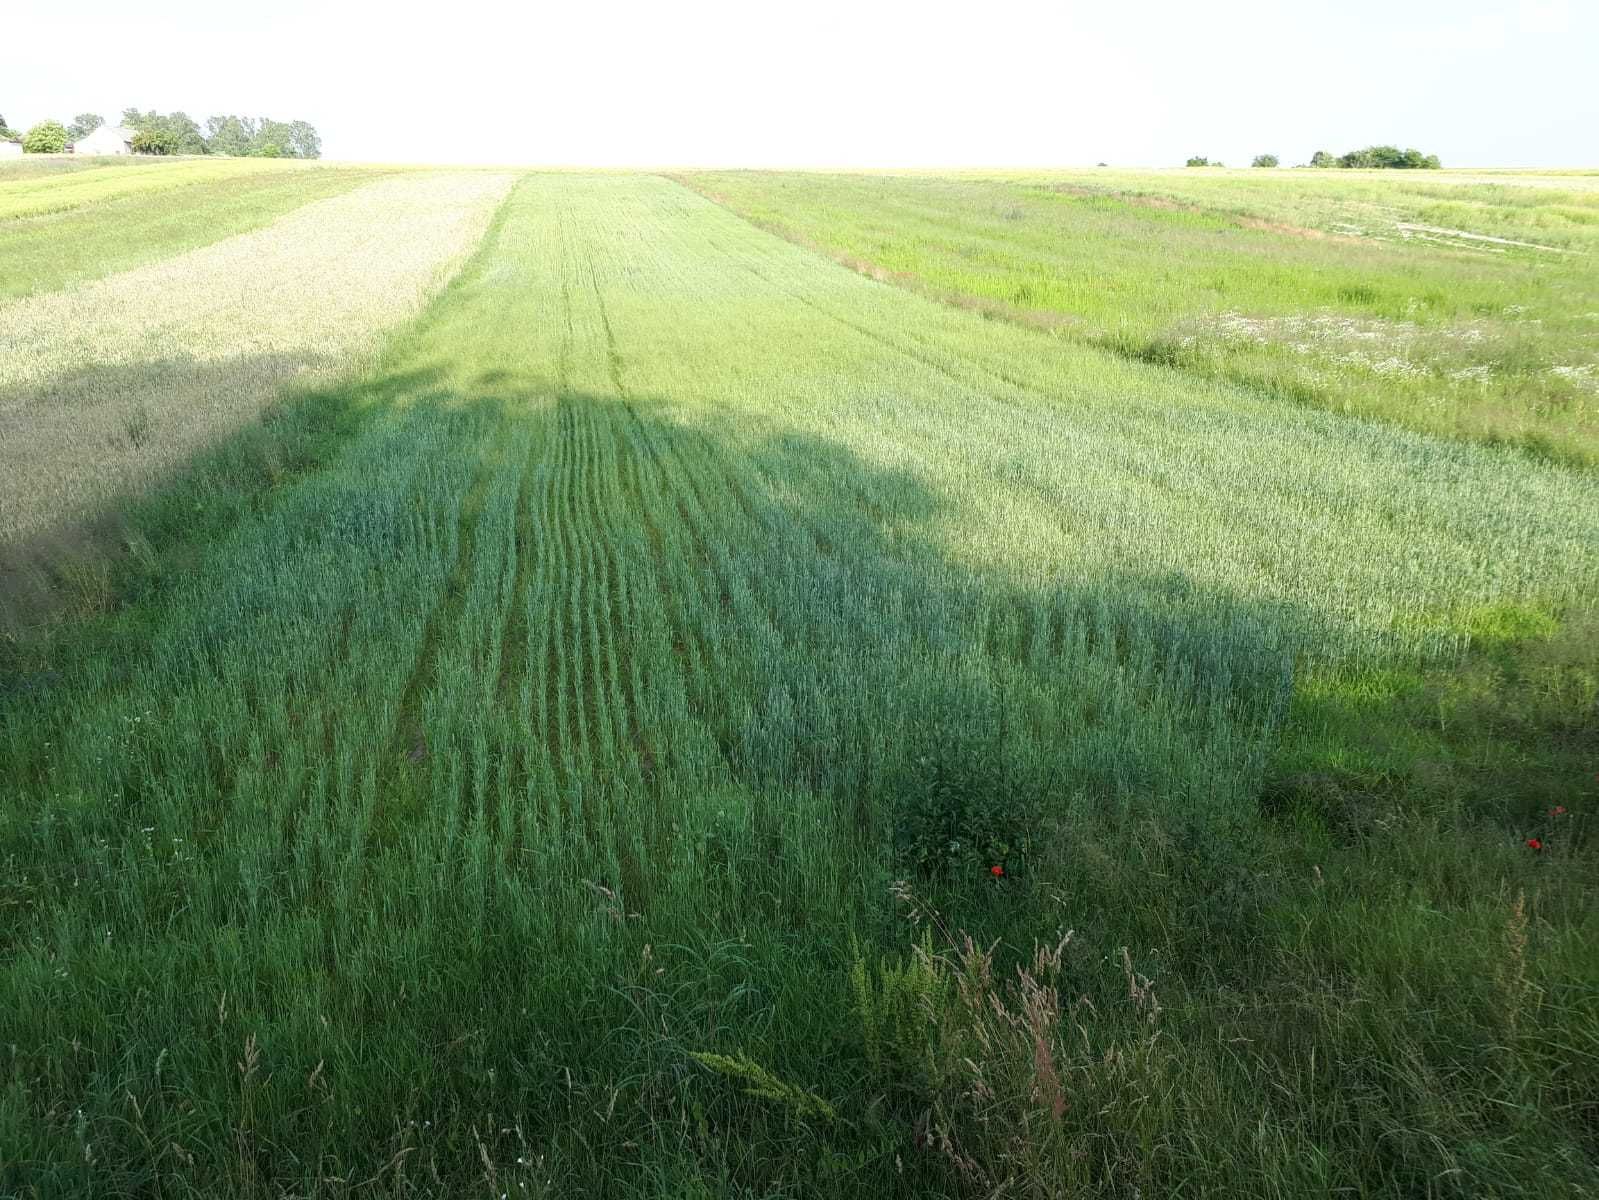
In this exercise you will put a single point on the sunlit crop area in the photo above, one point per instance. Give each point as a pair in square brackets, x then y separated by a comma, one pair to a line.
[40, 195]
[101, 387]
[1463, 305]
[688, 718]
[133, 215]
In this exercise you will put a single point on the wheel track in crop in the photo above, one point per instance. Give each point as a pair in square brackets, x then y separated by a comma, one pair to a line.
[684, 637]
[641, 523]
[571, 721]
[629, 495]
[606, 634]
[544, 615]
[408, 738]
[513, 684]
[417, 754]
[1017, 631]
[590, 698]
[904, 348]
[566, 738]
[608, 627]
[650, 473]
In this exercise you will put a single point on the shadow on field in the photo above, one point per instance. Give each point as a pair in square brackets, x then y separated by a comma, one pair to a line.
[877, 653]
[865, 664]
[867, 706]
[803, 637]
[99, 466]
[847, 542]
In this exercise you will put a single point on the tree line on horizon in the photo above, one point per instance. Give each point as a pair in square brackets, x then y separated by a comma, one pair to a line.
[1367, 158]
[179, 133]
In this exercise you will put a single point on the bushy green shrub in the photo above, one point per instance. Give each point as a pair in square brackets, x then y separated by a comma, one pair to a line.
[1200, 161]
[1264, 160]
[154, 141]
[47, 137]
[961, 811]
[179, 126]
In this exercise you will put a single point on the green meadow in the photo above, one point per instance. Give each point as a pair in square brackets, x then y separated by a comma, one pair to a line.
[683, 717]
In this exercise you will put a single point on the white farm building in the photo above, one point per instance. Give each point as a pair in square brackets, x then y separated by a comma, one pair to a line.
[108, 139]
[10, 149]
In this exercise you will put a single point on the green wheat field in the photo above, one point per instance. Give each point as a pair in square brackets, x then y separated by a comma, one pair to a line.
[1029, 684]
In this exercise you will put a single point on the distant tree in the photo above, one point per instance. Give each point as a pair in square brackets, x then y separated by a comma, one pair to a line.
[1391, 158]
[262, 137]
[154, 141]
[186, 130]
[1322, 159]
[180, 126]
[304, 140]
[229, 135]
[258, 137]
[1197, 161]
[1264, 160]
[47, 137]
[83, 125]
[274, 139]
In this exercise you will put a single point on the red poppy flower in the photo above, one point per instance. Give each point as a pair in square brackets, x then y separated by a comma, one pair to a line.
[996, 870]
[1534, 844]
[1558, 810]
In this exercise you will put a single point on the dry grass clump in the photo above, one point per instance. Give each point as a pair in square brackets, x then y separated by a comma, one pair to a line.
[104, 385]
[1017, 1075]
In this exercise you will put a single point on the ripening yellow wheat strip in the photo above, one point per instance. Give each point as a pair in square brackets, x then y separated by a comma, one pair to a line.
[105, 384]
[32, 196]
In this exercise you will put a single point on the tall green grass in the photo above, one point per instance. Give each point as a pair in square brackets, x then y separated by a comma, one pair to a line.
[498, 773]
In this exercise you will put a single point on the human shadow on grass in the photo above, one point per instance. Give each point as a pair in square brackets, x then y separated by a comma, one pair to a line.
[881, 656]
[877, 655]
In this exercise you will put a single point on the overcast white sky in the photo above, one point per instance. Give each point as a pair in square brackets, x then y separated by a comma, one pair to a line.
[825, 82]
